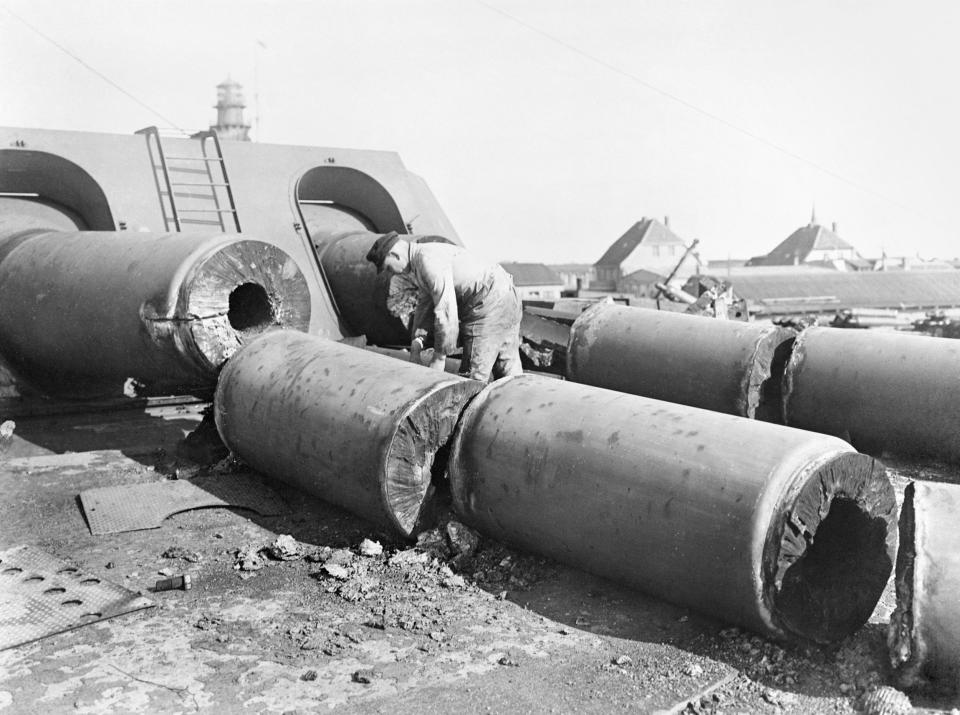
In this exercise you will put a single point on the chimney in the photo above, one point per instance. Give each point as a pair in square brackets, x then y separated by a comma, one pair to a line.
[666, 221]
[835, 227]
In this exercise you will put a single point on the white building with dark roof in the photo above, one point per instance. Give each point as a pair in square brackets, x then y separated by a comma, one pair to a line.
[814, 245]
[645, 254]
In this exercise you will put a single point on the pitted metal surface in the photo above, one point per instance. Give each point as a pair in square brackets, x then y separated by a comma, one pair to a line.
[129, 507]
[41, 595]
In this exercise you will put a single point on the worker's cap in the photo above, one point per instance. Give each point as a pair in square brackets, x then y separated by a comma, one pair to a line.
[381, 247]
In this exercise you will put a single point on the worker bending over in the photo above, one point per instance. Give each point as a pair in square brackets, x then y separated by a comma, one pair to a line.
[466, 298]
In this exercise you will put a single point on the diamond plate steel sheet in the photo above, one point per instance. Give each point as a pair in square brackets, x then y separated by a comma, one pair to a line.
[129, 507]
[41, 595]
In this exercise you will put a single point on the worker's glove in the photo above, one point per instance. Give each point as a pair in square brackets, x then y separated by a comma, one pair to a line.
[438, 361]
[415, 349]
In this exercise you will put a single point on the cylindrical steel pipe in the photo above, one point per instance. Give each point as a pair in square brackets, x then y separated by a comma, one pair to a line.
[882, 391]
[925, 627]
[721, 365]
[785, 532]
[359, 292]
[357, 429]
[85, 311]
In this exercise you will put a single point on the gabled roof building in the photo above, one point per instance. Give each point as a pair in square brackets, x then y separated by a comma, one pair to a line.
[649, 246]
[815, 245]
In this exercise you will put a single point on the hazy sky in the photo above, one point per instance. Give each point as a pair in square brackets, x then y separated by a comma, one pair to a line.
[546, 128]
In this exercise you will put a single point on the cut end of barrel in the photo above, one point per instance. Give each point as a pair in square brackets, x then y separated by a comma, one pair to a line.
[830, 553]
[765, 387]
[904, 657]
[242, 290]
[416, 460]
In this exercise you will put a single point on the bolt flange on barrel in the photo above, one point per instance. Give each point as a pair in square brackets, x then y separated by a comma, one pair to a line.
[347, 425]
[785, 532]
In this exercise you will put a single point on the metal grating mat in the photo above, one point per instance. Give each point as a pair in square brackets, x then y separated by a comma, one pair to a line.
[41, 595]
[110, 510]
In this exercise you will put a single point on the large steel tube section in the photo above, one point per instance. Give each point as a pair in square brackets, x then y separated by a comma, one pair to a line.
[362, 294]
[83, 312]
[882, 391]
[352, 427]
[785, 532]
[925, 627]
[725, 366]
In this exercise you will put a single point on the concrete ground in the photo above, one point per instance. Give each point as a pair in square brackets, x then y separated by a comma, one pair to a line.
[339, 627]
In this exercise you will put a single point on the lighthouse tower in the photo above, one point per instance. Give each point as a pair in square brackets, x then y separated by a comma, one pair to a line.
[230, 104]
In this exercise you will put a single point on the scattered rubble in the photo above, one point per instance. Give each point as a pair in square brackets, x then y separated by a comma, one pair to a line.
[286, 548]
[249, 559]
[365, 676]
[178, 552]
[462, 539]
[370, 548]
[6, 434]
[337, 571]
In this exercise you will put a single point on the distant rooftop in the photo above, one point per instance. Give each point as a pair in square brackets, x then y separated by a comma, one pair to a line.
[846, 289]
[800, 244]
[571, 267]
[532, 274]
[648, 231]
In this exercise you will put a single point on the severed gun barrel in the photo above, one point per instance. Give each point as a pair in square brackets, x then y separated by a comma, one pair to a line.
[722, 365]
[355, 428]
[788, 533]
[85, 311]
[883, 391]
[924, 635]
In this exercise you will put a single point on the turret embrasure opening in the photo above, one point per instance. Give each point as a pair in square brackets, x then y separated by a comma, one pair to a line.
[250, 308]
[831, 554]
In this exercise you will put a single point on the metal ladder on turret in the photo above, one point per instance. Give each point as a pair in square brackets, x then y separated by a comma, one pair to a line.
[193, 190]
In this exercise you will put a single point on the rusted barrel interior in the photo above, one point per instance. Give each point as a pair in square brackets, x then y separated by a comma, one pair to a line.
[925, 627]
[721, 365]
[785, 532]
[881, 390]
[352, 427]
[86, 312]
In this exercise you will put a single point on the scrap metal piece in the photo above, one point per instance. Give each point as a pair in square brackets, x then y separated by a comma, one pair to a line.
[924, 635]
[41, 595]
[130, 507]
[86, 311]
[883, 391]
[358, 429]
[721, 365]
[786, 532]
[183, 582]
